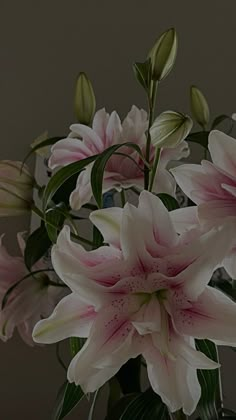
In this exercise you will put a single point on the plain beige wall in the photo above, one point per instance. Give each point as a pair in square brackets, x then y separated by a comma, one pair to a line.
[44, 44]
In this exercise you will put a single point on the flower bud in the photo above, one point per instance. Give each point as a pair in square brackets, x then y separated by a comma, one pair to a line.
[163, 54]
[199, 106]
[85, 102]
[16, 187]
[170, 128]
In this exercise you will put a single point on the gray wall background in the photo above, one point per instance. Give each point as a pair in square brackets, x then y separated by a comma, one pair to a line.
[43, 46]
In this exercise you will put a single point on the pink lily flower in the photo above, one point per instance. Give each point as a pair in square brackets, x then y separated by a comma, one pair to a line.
[146, 293]
[29, 301]
[121, 172]
[212, 186]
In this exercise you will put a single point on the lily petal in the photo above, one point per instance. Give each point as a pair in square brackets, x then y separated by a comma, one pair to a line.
[70, 318]
[111, 336]
[211, 248]
[82, 194]
[108, 221]
[212, 316]
[175, 381]
[67, 151]
[184, 218]
[223, 149]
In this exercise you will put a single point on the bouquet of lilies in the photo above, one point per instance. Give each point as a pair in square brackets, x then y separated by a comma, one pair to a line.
[136, 294]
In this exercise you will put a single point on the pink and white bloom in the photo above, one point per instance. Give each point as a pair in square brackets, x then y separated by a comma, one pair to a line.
[121, 172]
[16, 188]
[29, 301]
[146, 293]
[212, 186]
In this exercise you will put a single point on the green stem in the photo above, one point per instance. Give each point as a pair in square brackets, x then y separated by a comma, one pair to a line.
[151, 101]
[39, 213]
[154, 168]
[122, 196]
[219, 391]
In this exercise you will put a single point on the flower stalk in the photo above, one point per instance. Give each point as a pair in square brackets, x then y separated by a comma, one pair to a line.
[152, 103]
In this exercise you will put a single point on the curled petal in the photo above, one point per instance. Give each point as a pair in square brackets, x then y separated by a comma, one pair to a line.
[108, 221]
[82, 194]
[71, 318]
[223, 149]
[212, 316]
[67, 151]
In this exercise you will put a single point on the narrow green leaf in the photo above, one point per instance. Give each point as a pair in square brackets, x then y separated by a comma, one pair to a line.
[170, 202]
[143, 73]
[119, 408]
[55, 217]
[226, 286]
[147, 405]
[129, 376]
[99, 168]
[199, 107]
[200, 137]
[209, 381]
[97, 238]
[36, 246]
[62, 176]
[221, 118]
[44, 143]
[76, 345]
[92, 408]
[63, 193]
[227, 413]
[10, 290]
[68, 397]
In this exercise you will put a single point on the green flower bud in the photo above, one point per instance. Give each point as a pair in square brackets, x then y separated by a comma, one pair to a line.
[170, 128]
[163, 54]
[199, 107]
[16, 188]
[85, 102]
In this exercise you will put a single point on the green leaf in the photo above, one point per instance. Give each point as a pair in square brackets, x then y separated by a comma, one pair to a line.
[76, 345]
[227, 414]
[200, 137]
[99, 168]
[10, 290]
[129, 376]
[97, 238]
[199, 107]
[209, 381]
[55, 217]
[170, 202]
[36, 246]
[226, 286]
[93, 405]
[44, 143]
[64, 191]
[143, 73]
[62, 176]
[68, 397]
[119, 408]
[221, 118]
[147, 405]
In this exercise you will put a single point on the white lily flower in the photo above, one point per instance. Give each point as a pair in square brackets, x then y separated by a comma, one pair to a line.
[145, 294]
